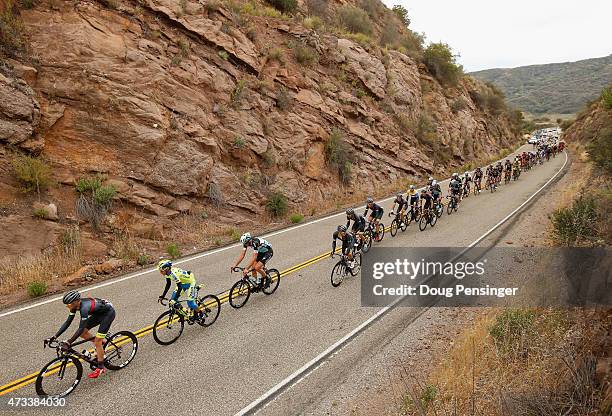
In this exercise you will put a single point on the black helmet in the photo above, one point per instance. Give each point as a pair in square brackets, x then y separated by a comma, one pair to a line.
[71, 296]
[370, 200]
[350, 212]
[342, 228]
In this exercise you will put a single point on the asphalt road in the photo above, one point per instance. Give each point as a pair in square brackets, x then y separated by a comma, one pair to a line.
[223, 368]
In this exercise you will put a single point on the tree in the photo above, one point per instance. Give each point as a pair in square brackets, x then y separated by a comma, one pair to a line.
[401, 12]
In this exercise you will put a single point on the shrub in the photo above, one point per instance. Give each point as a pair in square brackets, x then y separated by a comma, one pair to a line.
[239, 92]
[104, 195]
[355, 20]
[402, 13]
[338, 156]
[458, 105]
[606, 97]
[173, 250]
[142, 260]
[41, 213]
[372, 7]
[283, 99]
[600, 150]
[512, 330]
[28, 4]
[361, 38]
[32, 172]
[223, 54]
[577, 222]
[12, 40]
[277, 204]
[442, 63]
[565, 124]
[36, 289]
[234, 234]
[89, 184]
[239, 142]
[276, 54]
[305, 55]
[317, 7]
[313, 23]
[95, 200]
[296, 218]
[214, 194]
[285, 6]
[424, 129]
[390, 35]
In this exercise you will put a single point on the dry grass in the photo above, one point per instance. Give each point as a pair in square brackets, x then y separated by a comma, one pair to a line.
[546, 370]
[59, 261]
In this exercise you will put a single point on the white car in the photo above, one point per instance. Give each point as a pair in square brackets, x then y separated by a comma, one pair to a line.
[533, 140]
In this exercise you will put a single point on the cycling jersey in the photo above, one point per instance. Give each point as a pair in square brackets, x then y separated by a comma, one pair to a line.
[377, 211]
[181, 276]
[185, 281]
[414, 196]
[400, 201]
[428, 198]
[455, 185]
[358, 223]
[478, 174]
[348, 242]
[258, 244]
[93, 312]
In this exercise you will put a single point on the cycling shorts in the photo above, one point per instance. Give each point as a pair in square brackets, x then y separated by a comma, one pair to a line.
[263, 257]
[104, 320]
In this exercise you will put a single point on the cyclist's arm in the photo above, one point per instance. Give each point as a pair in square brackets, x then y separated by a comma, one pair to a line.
[240, 258]
[65, 325]
[334, 242]
[82, 327]
[252, 262]
[166, 288]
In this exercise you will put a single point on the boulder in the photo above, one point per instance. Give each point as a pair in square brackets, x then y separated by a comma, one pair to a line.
[109, 266]
[78, 276]
[50, 210]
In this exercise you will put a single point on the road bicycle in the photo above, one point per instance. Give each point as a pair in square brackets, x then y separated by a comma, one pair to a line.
[377, 233]
[516, 173]
[364, 241]
[344, 267]
[397, 223]
[438, 207]
[490, 184]
[60, 376]
[466, 190]
[414, 214]
[507, 177]
[428, 217]
[477, 186]
[242, 289]
[169, 326]
[453, 204]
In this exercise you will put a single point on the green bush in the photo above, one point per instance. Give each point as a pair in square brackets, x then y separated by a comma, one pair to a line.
[606, 97]
[277, 204]
[355, 20]
[373, 7]
[173, 250]
[104, 195]
[305, 55]
[234, 234]
[458, 105]
[239, 142]
[313, 23]
[239, 92]
[442, 63]
[577, 222]
[389, 36]
[41, 213]
[285, 6]
[512, 330]
[296, 218]
[28, 4]
[12, 30]
[89, 184]
[32, 172]
[600, 150]
[142, 260]
[402, 13]
[338, 156]
[565, 124]
[223, 54]
[36, 289]
[424, 129]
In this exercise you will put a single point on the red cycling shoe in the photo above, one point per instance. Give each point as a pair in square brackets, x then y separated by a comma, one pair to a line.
[97, 373]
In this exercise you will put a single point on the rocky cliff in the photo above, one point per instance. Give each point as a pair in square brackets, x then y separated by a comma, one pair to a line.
[192, 107]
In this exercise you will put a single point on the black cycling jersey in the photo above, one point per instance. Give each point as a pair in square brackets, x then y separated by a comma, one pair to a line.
[455, 185]
[347, 242]
[92, 310]
[428, 198]
[478, 174]
[358, 223]
[375, 209]
[400, 201]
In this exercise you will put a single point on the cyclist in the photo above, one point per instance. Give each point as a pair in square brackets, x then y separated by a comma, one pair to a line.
[401, 203]
[377, 211]
[94, 312]
[508, 168]
[455, 187]
[185, 282]
[436, 191]
[430, 181]
[348, 243]
[466, 182]
[426, 200]
[413, 199]
[262, 252]
[359, 223]
[478, 178]
[517, 167]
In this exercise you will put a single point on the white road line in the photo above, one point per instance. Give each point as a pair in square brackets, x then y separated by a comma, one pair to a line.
[299, 374]
[184, 260]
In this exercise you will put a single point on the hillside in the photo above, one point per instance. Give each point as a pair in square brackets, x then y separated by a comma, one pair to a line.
[559, 88]
[205, 118]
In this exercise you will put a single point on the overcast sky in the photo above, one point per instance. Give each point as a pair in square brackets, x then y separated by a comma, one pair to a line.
[505, 34]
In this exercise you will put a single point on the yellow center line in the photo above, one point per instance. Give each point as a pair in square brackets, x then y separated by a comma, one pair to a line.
[223, 298]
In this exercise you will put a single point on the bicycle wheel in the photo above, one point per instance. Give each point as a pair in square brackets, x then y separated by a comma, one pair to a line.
[449, 207]
[239, 294]
[210, 311]
[274, 277]
[168, 327]
[403, 225]
[394, 227]
[439, 210]
[338, 273]
[409, 217]
[59, 377]
[423, 223]
[355, 270]
[367, 243]
[433, 220]
[120, 349]
[380, 232]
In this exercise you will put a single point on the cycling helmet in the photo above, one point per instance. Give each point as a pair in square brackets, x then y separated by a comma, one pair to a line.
[467, 172]
[455, 175]
[245, 238]
[431, 179]
[342, 228]
[71, 296]
[434, 183]
[412, 187]
[399, 195]
[164, 265]
[370, 200]
[350, 212]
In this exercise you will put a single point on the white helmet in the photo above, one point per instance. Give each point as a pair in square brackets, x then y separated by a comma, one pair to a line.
[434, 183]
[431, 179]
[245, 238]
[411, 186]
[455, 175]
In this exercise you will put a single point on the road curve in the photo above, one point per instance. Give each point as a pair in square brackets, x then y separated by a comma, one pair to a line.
[224, 368]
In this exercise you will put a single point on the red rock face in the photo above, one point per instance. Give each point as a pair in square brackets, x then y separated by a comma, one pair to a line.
[167, 101]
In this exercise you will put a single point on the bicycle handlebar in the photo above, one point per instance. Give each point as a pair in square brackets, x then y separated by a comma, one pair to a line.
[237, 269]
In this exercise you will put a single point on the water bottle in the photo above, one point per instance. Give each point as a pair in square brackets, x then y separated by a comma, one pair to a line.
[87, 354]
